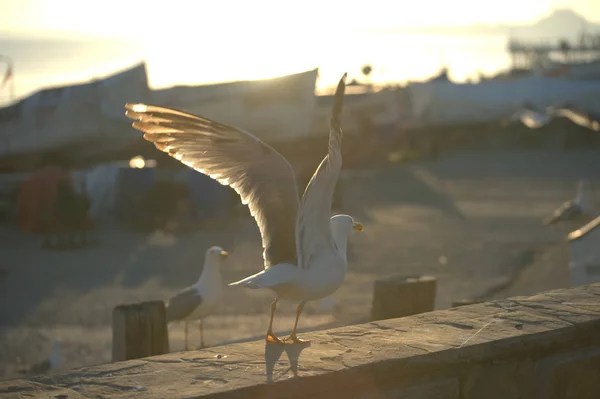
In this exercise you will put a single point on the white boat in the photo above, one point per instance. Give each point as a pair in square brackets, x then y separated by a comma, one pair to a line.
[278, 109]
[363, 109]
[441, 103]
[70, 115]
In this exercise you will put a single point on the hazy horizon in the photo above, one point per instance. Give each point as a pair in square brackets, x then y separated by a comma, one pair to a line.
[127, 19]
[211, 44]
[54, 63]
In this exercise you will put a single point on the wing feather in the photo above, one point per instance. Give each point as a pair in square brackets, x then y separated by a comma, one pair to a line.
[313, 231]
[578, 117]
[569, 209]
[263, 178]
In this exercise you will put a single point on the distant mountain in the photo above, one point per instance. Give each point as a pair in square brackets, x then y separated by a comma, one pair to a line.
[561, 23]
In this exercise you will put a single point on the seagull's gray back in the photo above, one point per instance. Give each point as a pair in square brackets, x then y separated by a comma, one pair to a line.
[183, 304]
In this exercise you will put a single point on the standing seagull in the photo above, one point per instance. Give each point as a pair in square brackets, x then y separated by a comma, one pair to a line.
[199, 300]
[580, 207]
[304, 247]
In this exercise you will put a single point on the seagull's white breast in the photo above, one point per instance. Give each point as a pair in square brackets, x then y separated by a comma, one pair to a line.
[211, 291]
[325, 274]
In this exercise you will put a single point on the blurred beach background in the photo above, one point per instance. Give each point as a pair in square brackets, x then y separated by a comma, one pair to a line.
[443, 185]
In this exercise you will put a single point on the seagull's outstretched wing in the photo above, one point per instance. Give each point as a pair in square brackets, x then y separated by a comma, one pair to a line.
[262, 177]
[313, 227]
[578, 116]
[568, 210]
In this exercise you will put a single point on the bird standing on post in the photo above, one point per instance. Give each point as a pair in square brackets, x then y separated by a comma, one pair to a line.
[304, 247]
[198, 301]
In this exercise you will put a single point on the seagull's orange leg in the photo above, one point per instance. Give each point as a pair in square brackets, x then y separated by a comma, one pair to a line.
[272, 338]
[293, 337]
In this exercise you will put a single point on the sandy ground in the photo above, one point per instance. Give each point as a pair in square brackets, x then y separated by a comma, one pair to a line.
[471, 220]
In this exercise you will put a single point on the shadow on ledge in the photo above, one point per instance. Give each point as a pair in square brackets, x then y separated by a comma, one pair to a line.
[273, 353]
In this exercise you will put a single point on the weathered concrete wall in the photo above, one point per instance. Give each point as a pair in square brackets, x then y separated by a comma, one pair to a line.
[545, 346]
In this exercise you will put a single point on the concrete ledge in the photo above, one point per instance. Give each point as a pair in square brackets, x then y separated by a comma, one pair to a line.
[545, 346]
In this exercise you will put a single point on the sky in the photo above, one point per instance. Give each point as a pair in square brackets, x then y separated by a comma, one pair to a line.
[228, 18]
[206, 41]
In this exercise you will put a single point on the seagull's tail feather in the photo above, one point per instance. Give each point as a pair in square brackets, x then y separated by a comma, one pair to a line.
[557, 216]
[253, 282]
[278, 274]
[568, 211]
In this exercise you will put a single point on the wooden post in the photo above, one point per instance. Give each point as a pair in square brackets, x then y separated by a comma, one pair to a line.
[139, 330]
[465, 302]
[403, 296]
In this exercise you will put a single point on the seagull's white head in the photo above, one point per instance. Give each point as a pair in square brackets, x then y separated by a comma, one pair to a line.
[216, 255]
[344, 225]
[211, 271]
[341, 228]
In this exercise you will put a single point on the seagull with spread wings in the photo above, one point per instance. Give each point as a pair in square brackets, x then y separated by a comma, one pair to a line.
[530, 116]
[304, 247]
[535, 118]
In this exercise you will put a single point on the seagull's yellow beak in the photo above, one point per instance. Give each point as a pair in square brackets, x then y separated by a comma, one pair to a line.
[357, 226]
[224, 254]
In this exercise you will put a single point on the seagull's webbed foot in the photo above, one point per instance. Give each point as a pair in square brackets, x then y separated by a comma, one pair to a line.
[272, 338]
[293, 338]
